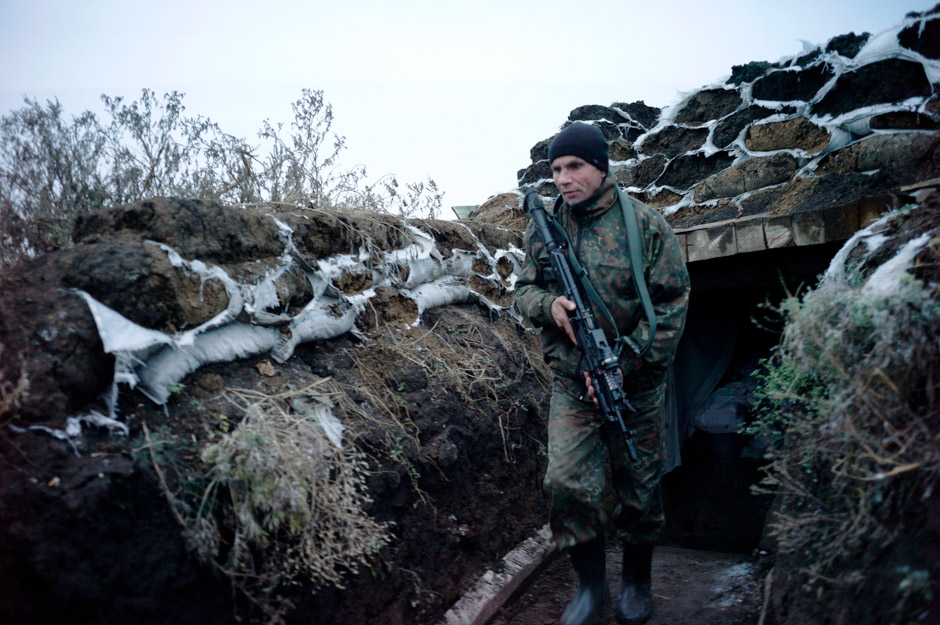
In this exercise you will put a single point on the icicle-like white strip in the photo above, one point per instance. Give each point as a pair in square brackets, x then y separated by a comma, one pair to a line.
[73, 428]
[236, 300]
[262, 295]
[322, 413]
[443, 292]
[117, 332]
[172, 363]
[888, 277]
[333, 267]
[316, 321]
[73, 425]
[835, 273]
[423, 246]
[422, 270]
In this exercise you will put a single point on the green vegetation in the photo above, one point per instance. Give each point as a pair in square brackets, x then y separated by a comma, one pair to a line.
[53, 168]
[850, 398]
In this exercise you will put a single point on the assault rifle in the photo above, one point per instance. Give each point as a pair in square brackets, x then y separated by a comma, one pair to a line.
[602, 362]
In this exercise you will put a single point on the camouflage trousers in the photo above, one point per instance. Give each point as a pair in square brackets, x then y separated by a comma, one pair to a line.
[578, 455]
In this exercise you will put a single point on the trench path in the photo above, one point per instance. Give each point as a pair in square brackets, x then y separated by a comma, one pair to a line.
[690, 587]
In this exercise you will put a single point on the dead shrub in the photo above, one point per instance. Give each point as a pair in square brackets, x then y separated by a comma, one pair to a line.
[280, 499]
[853, 384]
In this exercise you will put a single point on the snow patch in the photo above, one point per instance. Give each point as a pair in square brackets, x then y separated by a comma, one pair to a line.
[871, 235]
[888, 277]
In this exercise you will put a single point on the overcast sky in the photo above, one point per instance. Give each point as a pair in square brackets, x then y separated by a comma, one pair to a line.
[456, 91]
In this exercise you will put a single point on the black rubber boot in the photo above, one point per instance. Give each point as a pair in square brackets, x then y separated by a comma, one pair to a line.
[590, 563]
[636, 601]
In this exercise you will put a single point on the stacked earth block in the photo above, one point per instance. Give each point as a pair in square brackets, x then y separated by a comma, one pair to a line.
[805, 150]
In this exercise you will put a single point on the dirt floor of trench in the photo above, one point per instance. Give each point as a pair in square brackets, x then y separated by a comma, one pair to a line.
[690, 587]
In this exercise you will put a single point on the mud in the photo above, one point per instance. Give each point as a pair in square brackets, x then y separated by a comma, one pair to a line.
[689, 587]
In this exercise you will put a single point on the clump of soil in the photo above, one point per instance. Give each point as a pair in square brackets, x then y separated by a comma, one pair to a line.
[450, 414]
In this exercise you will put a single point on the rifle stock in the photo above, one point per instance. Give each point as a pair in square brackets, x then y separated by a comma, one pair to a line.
[601, 360]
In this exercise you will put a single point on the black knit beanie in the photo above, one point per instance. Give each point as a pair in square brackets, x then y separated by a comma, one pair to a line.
[582, 140]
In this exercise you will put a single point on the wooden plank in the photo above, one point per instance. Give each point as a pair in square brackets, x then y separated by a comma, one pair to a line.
[723, 222]
[494, 588]
[749, 236]
[712, 243]
[808, 228]
[871, 209]
[778, 232]
[683, 245]
[923, 184]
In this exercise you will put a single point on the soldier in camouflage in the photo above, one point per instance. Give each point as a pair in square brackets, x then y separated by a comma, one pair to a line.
[589, 211]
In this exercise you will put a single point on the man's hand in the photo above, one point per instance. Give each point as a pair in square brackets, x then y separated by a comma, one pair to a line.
[590, 386]
[561, 306]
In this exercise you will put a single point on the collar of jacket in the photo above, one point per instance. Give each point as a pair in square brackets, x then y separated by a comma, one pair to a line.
[600, 202]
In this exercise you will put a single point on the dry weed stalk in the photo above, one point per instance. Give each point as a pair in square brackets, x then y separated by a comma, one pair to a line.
[12, 393]
[853, 379]
[288, 499]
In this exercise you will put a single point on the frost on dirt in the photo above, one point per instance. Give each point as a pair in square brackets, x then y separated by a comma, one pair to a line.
[156, 361]
[872, 238]
[842, 129]
[888, 277]
[732, 583]
[72, 432]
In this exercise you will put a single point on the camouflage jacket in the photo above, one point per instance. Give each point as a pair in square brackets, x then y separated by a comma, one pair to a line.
[596, 229]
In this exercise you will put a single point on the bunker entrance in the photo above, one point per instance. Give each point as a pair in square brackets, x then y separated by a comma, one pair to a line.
[732, 326]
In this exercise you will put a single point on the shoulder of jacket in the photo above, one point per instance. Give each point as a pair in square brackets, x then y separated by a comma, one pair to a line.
[646, 212]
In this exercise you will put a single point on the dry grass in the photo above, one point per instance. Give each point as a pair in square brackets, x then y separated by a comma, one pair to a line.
[270, 501]
[13, 392]
[854, 383]
[288, 501]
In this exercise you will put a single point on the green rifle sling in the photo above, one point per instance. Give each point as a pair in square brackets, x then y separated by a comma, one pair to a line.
[631, 224]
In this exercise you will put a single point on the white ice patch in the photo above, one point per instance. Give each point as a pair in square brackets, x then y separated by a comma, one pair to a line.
[322, 413]
[261, 297]
[517, 258]
[329, 269]
[888, 277]
[443, 292]
[236, 300]
[117, 332]
[880, 46]
[685, 200]
[315, 322]
[156, 362]
[835, 273]
[73, 428]
[734, 578]
[73, 425]
[172, 363]
[330, 424]
[422, 247]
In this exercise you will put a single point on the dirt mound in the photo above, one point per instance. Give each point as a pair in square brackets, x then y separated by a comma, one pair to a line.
[450, 416]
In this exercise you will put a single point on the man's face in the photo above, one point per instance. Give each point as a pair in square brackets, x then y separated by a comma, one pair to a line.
[576, 179]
